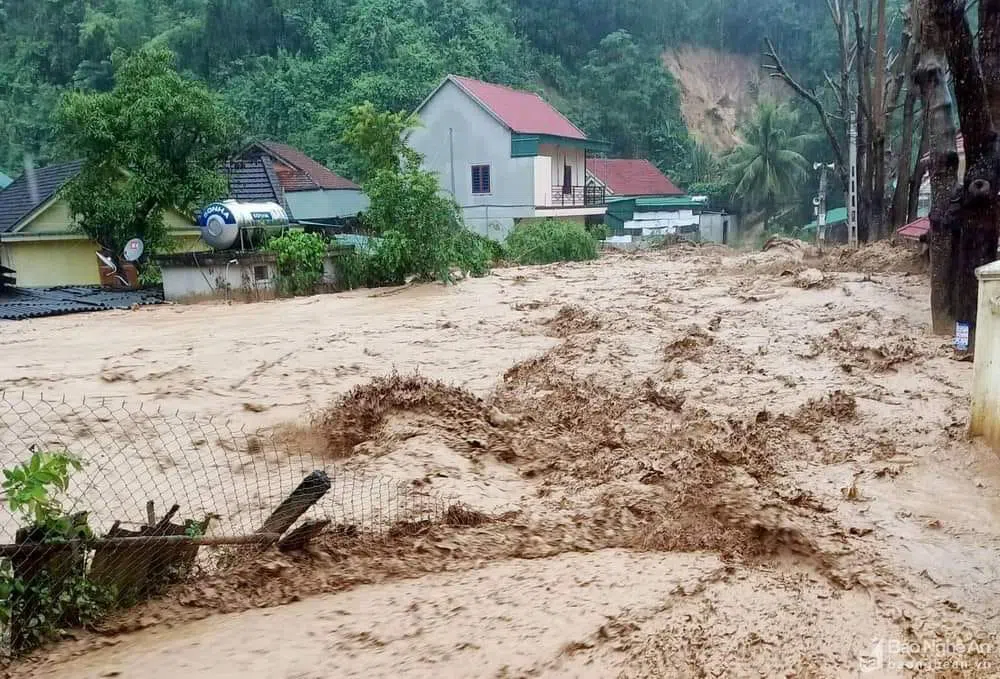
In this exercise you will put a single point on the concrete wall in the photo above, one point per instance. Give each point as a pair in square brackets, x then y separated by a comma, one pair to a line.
[453, 125]
[309, 205]
[214, 279]
[718, 228]
[251, 279]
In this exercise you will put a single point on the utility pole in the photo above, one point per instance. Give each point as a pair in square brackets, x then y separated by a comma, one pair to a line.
[820, 201]
[852, 181]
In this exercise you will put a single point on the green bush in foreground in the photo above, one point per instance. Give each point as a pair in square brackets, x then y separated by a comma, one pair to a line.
[550, 241]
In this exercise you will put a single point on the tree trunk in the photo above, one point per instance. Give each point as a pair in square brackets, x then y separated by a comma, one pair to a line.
[931, 78]
[917, 179]
[989, 53]
[963, 222]
[904, 164]
[877, 158]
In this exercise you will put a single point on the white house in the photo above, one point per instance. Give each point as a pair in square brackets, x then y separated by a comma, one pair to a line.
[505, 155]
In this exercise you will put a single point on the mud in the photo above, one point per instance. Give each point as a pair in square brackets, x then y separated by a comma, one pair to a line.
[661, 479]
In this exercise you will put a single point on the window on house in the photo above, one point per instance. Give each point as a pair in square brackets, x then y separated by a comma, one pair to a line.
[481, 179]
[260, 272]
[567, 179]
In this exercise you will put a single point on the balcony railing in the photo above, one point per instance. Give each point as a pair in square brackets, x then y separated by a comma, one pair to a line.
[577, 196]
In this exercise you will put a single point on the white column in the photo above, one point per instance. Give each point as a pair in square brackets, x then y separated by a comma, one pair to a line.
[985, 417]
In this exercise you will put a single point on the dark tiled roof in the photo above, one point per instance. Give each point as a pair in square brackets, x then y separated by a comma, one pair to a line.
[522, 112]
[16, 200]
[253, 181]
[307, 174]
[20, 303]
[632, 177]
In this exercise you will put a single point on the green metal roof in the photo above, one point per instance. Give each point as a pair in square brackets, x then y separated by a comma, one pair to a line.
[526, 145]
[622, 209]
[832, 217]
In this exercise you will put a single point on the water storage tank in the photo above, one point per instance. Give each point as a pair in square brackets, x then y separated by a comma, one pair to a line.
[221, 222]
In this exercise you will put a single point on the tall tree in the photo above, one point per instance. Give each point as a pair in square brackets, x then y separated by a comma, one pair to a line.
[767, 166]
[965, 215]
[155, 141]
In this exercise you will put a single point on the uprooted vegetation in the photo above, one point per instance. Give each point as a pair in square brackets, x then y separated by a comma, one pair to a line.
[572, 320]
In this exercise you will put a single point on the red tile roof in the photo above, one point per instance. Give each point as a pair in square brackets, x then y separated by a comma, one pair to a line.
[522, 112]
[306, 174]
[632, 177]
[915, 229]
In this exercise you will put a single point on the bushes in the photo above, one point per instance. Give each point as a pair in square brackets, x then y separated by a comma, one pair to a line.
[551, 241]
[300, 261]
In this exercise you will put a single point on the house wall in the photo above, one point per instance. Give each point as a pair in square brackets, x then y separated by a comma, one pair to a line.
[56, 219]
[326, 204]
[52, 262]
[453, 125]
[43, 258]
[561, 156]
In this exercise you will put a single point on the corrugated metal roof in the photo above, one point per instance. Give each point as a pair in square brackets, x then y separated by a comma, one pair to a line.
[915, 230]
[625, 177]
[21, 303]
[835, 216]
[17, 202]
[309, 175]
[522, 112]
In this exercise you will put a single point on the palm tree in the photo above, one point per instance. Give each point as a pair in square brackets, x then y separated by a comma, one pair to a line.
[768, 165]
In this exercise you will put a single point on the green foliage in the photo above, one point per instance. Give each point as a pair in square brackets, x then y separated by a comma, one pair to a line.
[768, 167]
[300, 261]
[377, 139]
[296, 68]
[639, 111]
[32, 488]
[151, 143]
[420, 231]
[44, 607]
[543, 242]
[58, 595]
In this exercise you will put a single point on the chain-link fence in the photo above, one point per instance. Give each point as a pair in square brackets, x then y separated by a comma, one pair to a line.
[106, 502]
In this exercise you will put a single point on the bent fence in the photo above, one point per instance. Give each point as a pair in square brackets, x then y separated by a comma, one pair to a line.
[105, 503]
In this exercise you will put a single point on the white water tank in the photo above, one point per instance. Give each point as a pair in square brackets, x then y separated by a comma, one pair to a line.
[221, 222]
[985, 417]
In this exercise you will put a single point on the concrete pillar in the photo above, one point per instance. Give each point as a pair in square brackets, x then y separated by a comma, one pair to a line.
[985, 418]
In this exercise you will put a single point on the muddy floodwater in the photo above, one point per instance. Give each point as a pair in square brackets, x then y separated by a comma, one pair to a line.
[695, 462]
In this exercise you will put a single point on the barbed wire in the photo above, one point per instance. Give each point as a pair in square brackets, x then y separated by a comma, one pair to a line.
[160, 497]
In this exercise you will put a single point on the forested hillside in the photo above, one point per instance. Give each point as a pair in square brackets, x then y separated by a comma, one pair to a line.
[292, 68]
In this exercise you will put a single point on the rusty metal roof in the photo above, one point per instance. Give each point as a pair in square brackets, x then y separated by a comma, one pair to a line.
[625, 177]
[305, 173]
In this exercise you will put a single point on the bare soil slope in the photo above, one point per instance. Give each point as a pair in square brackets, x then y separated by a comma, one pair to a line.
[718, 89]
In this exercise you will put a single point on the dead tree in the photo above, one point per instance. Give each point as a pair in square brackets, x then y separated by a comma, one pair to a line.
[964, 215]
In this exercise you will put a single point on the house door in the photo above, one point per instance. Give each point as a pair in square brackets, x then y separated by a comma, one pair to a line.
[567, 179]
